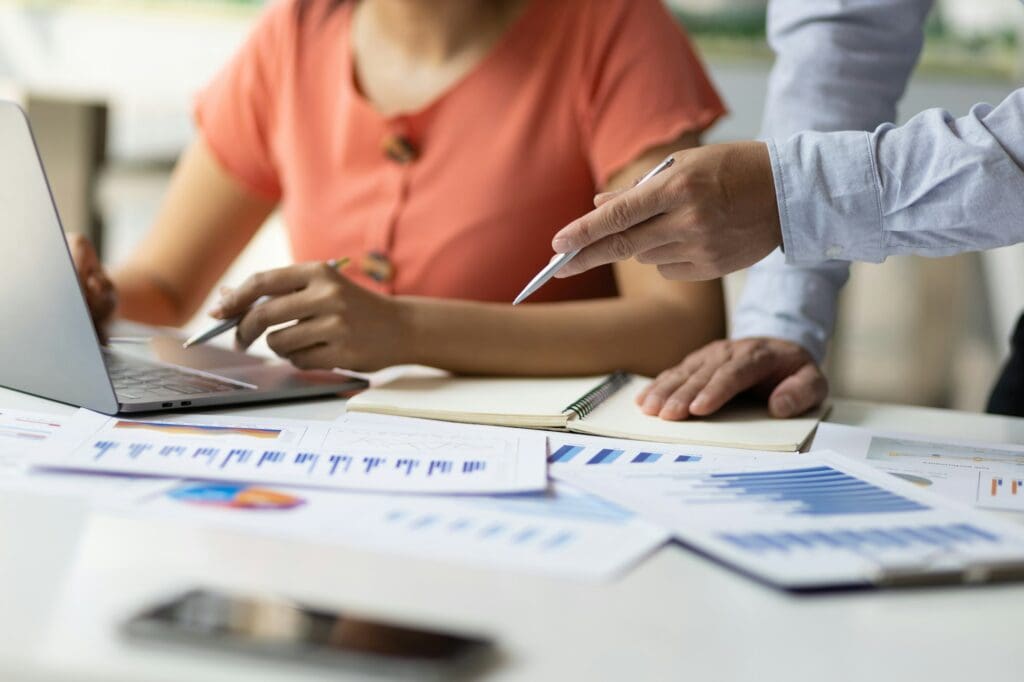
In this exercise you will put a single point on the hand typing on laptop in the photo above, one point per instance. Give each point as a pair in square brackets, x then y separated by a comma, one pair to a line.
[100, 293]
[336, 322]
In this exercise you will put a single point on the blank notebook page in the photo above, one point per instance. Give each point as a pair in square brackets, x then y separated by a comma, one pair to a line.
[749, 427]
[518, 402]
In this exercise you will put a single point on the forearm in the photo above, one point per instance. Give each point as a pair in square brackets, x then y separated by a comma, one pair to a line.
[641, 335]
[206, 219]
[934, 186]
[795, 304]
[141, 298]
[839, 66]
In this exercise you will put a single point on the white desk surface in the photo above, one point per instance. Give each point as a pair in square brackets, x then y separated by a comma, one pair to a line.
[67, 579]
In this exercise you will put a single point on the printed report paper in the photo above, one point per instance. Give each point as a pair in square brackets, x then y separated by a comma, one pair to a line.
[561, 531]
[567, 451]
[818, 521]
[398, 455]
[985, 475]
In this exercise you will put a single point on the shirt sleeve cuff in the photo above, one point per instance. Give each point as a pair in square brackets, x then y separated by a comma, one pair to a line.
[796, 304]
[827, 189]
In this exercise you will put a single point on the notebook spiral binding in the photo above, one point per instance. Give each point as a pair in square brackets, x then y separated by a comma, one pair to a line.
[589, 402]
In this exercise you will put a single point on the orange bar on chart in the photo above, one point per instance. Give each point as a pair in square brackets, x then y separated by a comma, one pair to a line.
[1013, 487]
[994, 487]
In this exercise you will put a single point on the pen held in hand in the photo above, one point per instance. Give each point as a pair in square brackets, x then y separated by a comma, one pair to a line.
[230, 323]
[559, 260]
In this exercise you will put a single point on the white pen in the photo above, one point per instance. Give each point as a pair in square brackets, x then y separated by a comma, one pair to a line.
[559, 261]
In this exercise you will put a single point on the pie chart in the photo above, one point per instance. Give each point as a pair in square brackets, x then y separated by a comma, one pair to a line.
[235, 496]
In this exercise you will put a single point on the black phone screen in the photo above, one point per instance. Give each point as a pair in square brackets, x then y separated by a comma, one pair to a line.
[283, 628]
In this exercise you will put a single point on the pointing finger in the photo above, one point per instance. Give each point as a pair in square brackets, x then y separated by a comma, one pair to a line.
[616, 215]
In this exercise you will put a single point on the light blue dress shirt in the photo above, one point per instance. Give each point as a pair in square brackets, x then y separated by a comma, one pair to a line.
[934, 186]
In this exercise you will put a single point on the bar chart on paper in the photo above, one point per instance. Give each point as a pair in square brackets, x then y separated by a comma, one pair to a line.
[981, 474]
[1001, 492]
[566, 454]
[560, 531]
[570, 451]
[29, 427]
[22, 433]
[813, 491]
[572, 454]
[824, 523]
[385, 459]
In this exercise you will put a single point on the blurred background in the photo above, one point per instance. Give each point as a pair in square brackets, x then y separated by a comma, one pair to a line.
[109, 84]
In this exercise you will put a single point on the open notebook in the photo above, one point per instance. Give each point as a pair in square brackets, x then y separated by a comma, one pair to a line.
[601, 406]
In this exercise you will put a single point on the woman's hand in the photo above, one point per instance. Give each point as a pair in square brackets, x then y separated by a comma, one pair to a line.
[100, 294]
[337, 323]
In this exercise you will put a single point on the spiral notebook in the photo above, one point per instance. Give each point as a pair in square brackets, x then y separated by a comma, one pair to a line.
[600, 406]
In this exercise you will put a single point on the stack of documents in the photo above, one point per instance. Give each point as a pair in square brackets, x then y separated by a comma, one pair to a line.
[482, 494]
[312, 480]
[561, 531]
[814, 522]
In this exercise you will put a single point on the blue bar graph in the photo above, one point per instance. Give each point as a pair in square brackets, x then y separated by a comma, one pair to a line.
[605, 456]
[498, 533]
[565, 453]
[645, 457]
[819, 491]
[424, 521]
[594, 454]
[897, 537]
[559, 539]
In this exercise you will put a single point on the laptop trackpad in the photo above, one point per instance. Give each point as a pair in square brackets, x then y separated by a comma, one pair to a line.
[157, 344]
[206, 357]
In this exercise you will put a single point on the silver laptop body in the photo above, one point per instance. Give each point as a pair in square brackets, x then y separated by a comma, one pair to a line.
[48, 346]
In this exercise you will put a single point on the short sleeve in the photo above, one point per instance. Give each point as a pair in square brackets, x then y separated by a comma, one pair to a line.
[235, 112]
[644, 84]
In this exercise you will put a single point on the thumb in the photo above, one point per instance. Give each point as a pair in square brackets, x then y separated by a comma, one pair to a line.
[799, 392]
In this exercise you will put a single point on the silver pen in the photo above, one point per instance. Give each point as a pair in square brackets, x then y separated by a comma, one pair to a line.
[559, 261]
[232, 322]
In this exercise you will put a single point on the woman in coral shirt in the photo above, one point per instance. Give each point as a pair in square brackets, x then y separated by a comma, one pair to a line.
[439, 144]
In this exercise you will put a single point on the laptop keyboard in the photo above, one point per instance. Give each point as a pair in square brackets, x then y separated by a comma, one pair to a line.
[136, 379]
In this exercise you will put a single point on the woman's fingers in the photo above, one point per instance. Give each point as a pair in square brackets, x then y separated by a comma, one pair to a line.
[307, 334]
[277, 310]
[317, 357]
[82, 253]
[268, 283]
[100, 294]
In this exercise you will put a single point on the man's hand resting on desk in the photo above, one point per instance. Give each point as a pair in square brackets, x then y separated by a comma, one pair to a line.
[337, 322]
[100, 293]
[710, 377]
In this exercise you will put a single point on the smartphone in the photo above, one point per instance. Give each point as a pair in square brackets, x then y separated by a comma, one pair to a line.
[279, 628]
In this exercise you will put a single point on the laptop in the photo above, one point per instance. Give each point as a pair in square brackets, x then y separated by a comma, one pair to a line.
[48, 345]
